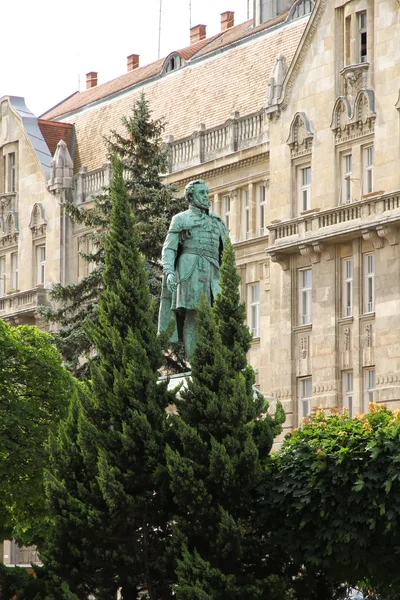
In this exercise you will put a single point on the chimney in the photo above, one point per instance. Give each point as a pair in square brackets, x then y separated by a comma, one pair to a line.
[197, 33]
[133, 62]
[227, 20]
[91, 80]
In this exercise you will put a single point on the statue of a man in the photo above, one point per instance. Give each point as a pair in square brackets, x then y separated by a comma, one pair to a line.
[191, 259]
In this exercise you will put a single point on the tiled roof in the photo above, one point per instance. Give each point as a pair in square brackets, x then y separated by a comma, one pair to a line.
[208, 90]
[201, 48]
[54, 131]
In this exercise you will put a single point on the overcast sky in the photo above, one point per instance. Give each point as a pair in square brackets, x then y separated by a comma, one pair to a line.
[49, 46]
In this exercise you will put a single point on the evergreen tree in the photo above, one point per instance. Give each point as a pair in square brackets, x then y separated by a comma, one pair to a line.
[145, 160]
[108, 488]
[224, 438]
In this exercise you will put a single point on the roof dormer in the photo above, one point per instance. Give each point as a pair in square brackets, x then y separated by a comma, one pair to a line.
[173, 62]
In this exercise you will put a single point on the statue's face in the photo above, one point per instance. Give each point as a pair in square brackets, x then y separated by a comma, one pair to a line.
[200, 196]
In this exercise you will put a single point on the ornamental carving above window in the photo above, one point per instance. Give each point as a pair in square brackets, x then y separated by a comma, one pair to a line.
[37, 223]
[349, 123]
[301, 136]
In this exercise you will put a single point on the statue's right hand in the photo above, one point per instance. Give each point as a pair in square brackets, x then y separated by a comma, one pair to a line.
[171, 282]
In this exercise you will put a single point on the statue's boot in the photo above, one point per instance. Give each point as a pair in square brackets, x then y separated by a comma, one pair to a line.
[189, 333]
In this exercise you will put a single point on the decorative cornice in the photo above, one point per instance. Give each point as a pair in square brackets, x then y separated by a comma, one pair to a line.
[224, 168]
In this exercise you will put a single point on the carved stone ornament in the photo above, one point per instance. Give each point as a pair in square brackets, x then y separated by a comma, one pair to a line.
[352, 120]
[301, 136]
[346, 335]
[37, 223]
[304, 346]
[282, 259]
[276, 80]
[368, 335]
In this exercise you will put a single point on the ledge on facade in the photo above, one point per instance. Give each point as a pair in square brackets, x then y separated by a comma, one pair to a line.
[375, 217]
[20, 306]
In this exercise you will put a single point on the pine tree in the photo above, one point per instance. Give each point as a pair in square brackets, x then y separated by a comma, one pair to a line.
[224, 438]
[112, 517]
[145, 160]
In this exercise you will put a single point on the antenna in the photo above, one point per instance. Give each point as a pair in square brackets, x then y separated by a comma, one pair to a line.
[190, 14]
[248, 9]
[159, 31]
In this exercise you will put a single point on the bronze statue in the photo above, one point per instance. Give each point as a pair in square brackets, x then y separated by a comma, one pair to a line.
[191, 259]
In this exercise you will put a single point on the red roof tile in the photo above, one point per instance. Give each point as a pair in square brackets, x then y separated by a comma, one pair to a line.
[53, 132]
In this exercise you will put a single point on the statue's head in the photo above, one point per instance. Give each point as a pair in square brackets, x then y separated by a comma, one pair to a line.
[196, 193]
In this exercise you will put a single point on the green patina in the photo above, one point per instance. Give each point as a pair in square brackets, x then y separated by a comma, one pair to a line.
[191, 259]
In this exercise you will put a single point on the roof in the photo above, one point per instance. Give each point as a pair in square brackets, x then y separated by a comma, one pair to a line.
[78, 100]
[229, 74]
[33, 132]
[54, 131]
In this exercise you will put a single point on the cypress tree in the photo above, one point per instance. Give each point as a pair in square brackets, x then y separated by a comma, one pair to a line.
[112, 520]
[141, 149]
[224, 438]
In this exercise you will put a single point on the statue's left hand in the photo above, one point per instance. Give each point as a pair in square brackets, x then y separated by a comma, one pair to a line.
[171, 282]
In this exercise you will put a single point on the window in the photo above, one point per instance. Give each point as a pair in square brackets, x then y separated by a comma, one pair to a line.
[369, 283]
[255, 309]
[227, 210]
[304, 188]
[347, 379]
[347, 266]
[362, 32]
[9, 173]
[305, 296]
[245, 215]
[369, 387]
[261, 209]
[347, 38]
[368, 170]
[12, 172]
[2, 276]
[305, 395]
[347, 160]
[40, 264]
[14, 271]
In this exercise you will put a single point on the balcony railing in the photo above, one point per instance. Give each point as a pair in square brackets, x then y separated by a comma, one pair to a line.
[238, 133]
[22, 304]
[373, 217]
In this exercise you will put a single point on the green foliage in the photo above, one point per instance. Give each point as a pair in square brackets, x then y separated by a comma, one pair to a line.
[224, 438]
[332, 497]
[145, 160]
[108, 486]
[34, 393]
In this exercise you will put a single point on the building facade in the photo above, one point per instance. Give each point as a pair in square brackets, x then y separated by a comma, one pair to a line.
[293, 121]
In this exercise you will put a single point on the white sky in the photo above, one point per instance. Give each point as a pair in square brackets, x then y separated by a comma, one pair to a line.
[49, 46]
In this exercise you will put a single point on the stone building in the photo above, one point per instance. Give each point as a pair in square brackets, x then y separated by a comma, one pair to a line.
[293, 120]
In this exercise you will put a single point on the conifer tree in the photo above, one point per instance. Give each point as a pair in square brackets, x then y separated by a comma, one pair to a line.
[224, 438]
[110, 495]
[145, 160]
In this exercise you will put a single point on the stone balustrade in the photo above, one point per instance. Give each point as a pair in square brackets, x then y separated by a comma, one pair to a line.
[237, 133]
[20, 307]
[374, 218]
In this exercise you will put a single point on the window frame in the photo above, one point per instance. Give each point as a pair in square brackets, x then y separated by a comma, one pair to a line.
[348, 391]
[41, 264]
[3, 276]
[305, 297]
[14, 270]
[362, 37]
[368, 283]
[261, 208]
[369, 376]
[368, 168]
[347, 184]
[304, 191]
[304, 397]
[254, 308]
[347, 286]
[226, 208]
[245, 202]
